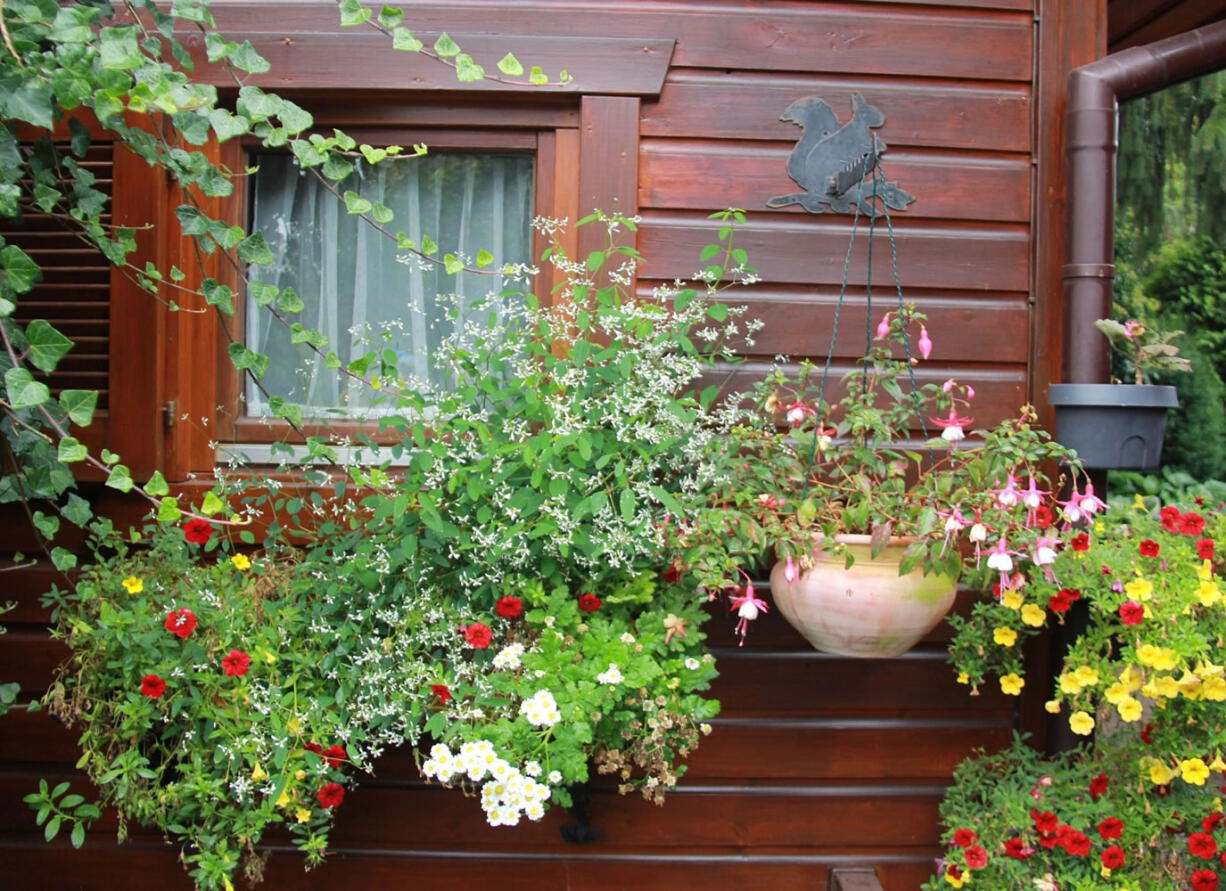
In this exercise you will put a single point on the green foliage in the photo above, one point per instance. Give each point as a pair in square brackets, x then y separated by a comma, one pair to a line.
[1188, 282]
[1196, 430]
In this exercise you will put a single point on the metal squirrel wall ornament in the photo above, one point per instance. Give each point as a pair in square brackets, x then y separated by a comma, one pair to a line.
[831, 162]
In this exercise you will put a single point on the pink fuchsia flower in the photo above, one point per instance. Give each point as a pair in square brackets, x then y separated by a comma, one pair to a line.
[789, 570]
[1000, 558]
[797, 412]
[748, 607]
[1009, 495]
[954, 523]
[978, 535]
[1082, 506]
[1045, 555]
[924, 343]
[953, 427]
[1032, 495]
[883, 327]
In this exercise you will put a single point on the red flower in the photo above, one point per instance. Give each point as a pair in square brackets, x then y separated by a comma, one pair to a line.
[1170, 518]
[1060, 601]
[442, 692]
[1080, 542]
[1211, 822]
[1149, 548]
[976, 857]
[1016, 848]
[1112, 827]
[1204, 548]
[1191, 524]
[672, 575]
[1043, 516]
[1076, 843]
[152, 686]
[335, 754]
[235, 663]
[181, 622]
[1204, 880]
[1098, 786]
[1112, 857]
[1047, 839]
[1201, 844]
[589, 603]
[1044, 821]
[964, 838]
[197, 531]
[330, 794]
[1147, 734]
[509, 607]
[478, 635]
[314, 747]
[1131, 613]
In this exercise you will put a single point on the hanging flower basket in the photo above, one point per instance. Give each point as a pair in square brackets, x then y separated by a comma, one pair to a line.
[1113, 426]
[867, 610]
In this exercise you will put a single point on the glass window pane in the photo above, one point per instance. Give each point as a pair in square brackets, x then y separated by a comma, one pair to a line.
[359, 290]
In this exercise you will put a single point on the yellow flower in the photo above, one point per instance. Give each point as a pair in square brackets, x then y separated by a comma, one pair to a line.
[1204, 572]
[1081, 723]
[1070, 684]
[1011, 599]
[958, 881]
[1166, 686]
[1129, 709]
[1116, 693]
[1052, 706]
[963, 678]
[258, 773]
[1218, 765]
[240, 562]
[1012, 684]
[300, 774]
[1161, 658]
[284, 800]
[1139, 589]
[1208, 593]
[133, 585]
[1006, 637]
[303, 815]
[1214, 689]
[294, 726]
[1190, 685]
[1194, 771]
[1087, 676]
[1160, 774]
[1132, 678]
[1032, 615]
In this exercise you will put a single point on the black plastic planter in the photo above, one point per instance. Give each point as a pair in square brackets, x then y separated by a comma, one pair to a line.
[1113, 426]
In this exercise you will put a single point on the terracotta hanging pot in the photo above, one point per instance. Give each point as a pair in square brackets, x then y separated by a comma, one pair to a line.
[868, 610]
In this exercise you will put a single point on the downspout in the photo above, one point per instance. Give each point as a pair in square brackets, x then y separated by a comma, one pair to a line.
[1093, 91]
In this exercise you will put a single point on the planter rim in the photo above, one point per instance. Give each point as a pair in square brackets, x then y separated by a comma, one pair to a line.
[1121, 395]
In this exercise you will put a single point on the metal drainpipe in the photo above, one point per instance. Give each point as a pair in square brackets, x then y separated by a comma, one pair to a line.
[1093, 91]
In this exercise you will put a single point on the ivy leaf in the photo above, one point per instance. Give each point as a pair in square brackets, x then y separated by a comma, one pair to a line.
[23, 390]
[466, 70]
[77, 511]
[79, 405]
[20, 272]
[71, 450]
[353, 13]
[445, 46]
[46, 345]
[169, 510]
[356, 204]
[212, 504]
[509, 65]
[428, 245]
[247, 59]
[118, 48]
[254, 249]
[63, 559]
[290, 302]
[121, 478]
[452, 264]
[262, 293]
[157, 485]
[390, 17]
[403, 39]
[219, 295]
[47, 525]
[382, 214]
[227, 125]
[537, 76]
[484, 258]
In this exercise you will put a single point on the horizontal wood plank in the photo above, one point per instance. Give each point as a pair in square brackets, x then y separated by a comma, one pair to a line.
[701, 175]
[747, 105]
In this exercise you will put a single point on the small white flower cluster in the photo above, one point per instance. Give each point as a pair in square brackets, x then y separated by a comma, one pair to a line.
[508, 793]
[508, 657]
[541, 710]
[611, 676]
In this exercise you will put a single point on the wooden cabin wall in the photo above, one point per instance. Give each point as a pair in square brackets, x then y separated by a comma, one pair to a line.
[816, 761]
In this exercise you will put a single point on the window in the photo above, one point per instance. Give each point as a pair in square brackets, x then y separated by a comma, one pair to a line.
[357, 286]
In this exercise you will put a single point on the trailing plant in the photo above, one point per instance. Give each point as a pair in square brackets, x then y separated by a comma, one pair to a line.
[1145, 347]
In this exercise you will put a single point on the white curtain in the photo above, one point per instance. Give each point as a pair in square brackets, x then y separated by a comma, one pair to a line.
[357, 291]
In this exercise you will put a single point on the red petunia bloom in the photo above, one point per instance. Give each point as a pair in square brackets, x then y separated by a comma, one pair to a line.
[330, 794]
[478, 635]
[1076, 843]
[1060, 601]
[335, 754]
[964, 838]
[1132, 613]
[1201, 844]
[1112, 827]
[314, 747]
[1098, 786]
[181, 622]
[1204, 548]
[152, 686]
[1191, 524]
[976, 857]
[1211, 822]
[442, 692]
[1044, 821]
[235, 663]
[1016, 848]
[509, 607]
[1047, 839]
[1204, 880]
[1043, 516]
[1170, 518]
[672, 575]
[589, 603]
[197, 531]
[1147, 734]
[1080, 542]
[1112, 857]
[1149, 548]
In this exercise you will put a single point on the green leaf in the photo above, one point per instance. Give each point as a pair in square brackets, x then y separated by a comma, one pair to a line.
[119, 47]
[484, 258]
[47, 525]
[626, 505]
[428, 246]
[403, 39]
[353, 13]
[227, 125]
[78, 835]
[71, 450]
[77, 511]
[452, 264]
[254, 249]
[169, 510]
[290, 302]
[466, 70]
[537, 76]
[157, 485]
[79, 405]
[121, 478]
[219, 295]
[23, 390]
[20, 272]
[390, 17]
[509, 65]
[262, 293]
[63, 559]
[247, 59]
[382, 214]
[212, 504]
[355, 203]
[445, 46]
[109, 457]
[30, 101]
[46, 345]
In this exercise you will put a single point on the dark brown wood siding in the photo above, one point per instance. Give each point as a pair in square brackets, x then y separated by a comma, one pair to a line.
[817, 761]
